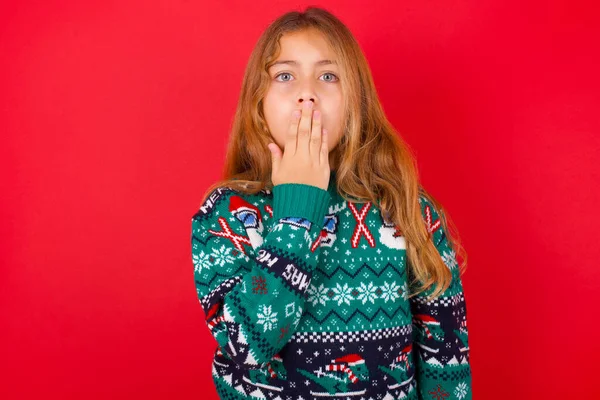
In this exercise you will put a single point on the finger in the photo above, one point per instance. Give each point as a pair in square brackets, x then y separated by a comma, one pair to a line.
[304, 127]
[315, 135]
[324, 153]
[291, 137]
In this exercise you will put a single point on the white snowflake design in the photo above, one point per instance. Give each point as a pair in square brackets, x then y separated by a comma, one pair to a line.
[267, 317]
[450, 259]
[367, 293]
[298, 316]
[317, 295]
[461, 390]
[223, 256]
[405, 291]
[390, 291]
[201, 261]
[342, 294]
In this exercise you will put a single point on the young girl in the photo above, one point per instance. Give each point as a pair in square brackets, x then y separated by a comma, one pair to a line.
[325, 269]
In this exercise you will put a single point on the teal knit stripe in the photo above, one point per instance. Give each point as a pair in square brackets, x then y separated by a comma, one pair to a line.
[299, 200]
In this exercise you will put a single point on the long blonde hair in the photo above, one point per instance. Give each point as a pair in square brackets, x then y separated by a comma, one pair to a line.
[373, 162]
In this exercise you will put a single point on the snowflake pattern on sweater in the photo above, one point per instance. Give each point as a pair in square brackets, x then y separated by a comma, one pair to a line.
[306, 296]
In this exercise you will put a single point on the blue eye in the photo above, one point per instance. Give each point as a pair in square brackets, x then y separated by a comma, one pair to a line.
[335, 79]
[283, 73]
[329, 73]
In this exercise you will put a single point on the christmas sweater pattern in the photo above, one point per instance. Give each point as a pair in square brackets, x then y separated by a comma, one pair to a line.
[306, 296]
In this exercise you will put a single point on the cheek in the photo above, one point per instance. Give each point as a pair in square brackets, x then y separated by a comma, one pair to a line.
[333, 105]
[276, 114]
[333, 116]
[271, 109]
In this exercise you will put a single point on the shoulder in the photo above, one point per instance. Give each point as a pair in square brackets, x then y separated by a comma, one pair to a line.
[213, 201]
[427, 206]
[225, 201]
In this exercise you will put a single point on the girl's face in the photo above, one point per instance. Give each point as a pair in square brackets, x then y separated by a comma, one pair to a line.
[305, 69]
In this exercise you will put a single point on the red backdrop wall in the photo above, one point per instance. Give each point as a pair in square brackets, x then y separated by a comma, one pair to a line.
[114, 118]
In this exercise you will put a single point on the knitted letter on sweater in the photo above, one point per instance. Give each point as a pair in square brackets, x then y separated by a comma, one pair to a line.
[306, 296]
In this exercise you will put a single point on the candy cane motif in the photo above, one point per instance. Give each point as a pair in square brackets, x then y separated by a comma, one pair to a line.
[342, 368]
[423, 321]
[270, 367]
[404, 355]
[344, 364]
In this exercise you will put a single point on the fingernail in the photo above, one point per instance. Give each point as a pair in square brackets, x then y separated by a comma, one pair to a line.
[297, 113]
[317, 114]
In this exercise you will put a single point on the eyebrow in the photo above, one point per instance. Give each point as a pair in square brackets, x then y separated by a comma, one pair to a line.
[296, 62]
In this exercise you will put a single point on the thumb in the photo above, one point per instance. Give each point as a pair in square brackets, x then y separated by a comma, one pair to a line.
[275, 155]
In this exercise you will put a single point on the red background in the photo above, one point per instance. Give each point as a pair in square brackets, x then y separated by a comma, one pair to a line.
[114, 118]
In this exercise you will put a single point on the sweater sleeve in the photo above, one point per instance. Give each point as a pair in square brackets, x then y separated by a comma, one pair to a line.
[252, 285]
[440, 327]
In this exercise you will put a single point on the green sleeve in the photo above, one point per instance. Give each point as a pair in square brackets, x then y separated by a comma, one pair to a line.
[440, 336]
[251, 277]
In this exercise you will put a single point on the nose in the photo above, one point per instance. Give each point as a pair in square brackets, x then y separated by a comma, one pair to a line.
[302, 99]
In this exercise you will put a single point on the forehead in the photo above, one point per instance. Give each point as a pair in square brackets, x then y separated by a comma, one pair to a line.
[308, 45]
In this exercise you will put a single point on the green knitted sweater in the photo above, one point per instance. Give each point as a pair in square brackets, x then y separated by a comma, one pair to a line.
[306, 295]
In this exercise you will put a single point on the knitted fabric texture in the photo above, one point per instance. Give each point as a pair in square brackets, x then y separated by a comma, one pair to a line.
[306, 295]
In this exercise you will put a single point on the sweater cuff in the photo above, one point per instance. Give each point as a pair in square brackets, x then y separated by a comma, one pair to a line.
[300, 200]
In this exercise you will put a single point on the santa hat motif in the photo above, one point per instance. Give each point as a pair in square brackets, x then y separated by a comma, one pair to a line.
[343, 364]
[250, 217]
[236, 204]
[426, 319]
[350, 359]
